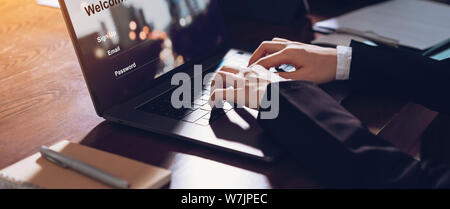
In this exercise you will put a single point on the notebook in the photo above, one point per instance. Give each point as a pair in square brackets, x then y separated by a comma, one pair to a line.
[416, 24]
[37, 172]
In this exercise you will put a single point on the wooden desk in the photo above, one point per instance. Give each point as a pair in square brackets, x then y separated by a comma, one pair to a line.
[44, 99]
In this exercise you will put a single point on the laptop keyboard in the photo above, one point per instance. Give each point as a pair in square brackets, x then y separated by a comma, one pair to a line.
[200, 112]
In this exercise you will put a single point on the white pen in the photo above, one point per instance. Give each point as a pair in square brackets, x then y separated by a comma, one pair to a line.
[85, 169]
[371, 36]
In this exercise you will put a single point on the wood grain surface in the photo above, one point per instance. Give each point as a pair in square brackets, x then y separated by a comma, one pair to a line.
[44, 99]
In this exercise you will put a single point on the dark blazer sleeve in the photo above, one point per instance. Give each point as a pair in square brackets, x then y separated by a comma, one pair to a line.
[337, 149]
[401, 74]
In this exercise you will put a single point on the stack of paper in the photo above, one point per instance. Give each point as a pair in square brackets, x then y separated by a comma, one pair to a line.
[413, 23]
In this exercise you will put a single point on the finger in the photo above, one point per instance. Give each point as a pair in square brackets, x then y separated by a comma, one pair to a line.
[231, 79]
[267, 47]
[288, 75]
[232, 95]
[249, 96]
[230, 69]
[301, 74]
[280, 39]
[253, 95]
[217, 81]
[218, 96]
[223, 79]
[273, 60]
[307, 75]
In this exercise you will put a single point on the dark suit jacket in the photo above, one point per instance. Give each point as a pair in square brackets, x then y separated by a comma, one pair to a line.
[336, 147]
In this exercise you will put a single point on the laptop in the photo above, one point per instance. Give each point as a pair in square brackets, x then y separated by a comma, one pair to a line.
[129, 51]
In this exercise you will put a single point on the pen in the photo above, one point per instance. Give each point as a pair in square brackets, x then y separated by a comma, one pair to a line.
[370, 35]
[80, 167]
[437, 48]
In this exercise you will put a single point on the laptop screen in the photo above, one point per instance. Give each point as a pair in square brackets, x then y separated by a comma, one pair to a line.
[125, 44]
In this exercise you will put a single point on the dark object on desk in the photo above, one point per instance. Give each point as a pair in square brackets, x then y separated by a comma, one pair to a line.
[337, 147]
[277, 12]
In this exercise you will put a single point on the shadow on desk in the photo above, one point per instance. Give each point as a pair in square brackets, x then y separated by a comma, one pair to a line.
[196, 166]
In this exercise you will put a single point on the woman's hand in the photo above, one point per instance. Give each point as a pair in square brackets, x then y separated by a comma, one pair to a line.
[247, 86]
[242, 86]
[313, 63]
